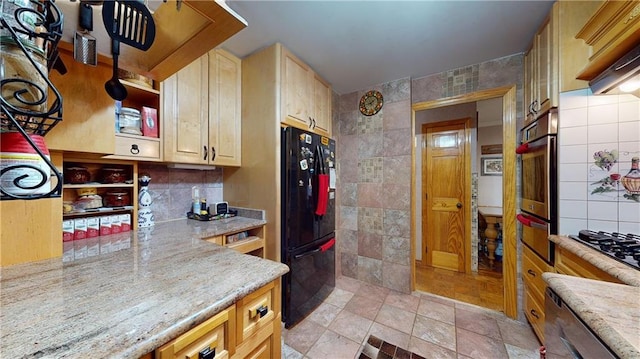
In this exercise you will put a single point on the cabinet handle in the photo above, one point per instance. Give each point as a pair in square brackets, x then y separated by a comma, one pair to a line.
[535, 107]
[206, 153]
[262, 311]
[213, 153]
[534, 313]
[207, 353]
[134, 149]
[531, 272]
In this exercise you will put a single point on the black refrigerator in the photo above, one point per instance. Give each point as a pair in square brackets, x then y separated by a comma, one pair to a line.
[308, 222]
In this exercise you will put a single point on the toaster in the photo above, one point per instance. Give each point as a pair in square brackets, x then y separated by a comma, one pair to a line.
[219, 208]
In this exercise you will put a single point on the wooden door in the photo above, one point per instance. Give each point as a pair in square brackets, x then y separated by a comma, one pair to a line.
[296, 90]
[185, 113]
[225, 79]
[445, 194]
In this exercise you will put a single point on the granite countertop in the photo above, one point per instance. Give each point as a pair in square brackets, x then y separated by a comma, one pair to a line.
[611, 310]
[621, 271]
[127, 303]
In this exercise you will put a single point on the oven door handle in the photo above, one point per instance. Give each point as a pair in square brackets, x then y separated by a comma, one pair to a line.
[530, 222]
[523, 148]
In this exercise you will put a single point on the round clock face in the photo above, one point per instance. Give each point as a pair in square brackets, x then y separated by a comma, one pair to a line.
[371, 103]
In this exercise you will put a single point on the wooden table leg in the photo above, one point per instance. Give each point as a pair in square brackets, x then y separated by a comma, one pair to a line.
[491, 233]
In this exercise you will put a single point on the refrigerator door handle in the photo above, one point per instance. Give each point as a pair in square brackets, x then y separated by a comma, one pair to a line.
[323, 248]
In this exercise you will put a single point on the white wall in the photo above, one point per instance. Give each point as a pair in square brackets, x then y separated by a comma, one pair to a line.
[489, 187]
[589, 124]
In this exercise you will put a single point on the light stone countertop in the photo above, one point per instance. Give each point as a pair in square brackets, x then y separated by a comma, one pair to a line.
[127, 303]
[611, 310]
[617, 269]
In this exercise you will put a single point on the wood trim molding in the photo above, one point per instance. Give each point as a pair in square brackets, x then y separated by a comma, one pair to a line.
[508, 94]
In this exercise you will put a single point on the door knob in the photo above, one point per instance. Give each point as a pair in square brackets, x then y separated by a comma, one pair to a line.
[459, 205]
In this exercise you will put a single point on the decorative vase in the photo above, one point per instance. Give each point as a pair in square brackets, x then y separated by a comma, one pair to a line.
[631, 181]
[145, 214]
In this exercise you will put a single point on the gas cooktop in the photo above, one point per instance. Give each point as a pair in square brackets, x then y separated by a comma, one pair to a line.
[622, 247]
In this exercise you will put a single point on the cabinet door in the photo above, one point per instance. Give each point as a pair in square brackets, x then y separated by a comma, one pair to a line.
[185, 113]
[225, 115]
[544, 67]
[296, 90]
[529, 85]
[88, 112]
[321, 106]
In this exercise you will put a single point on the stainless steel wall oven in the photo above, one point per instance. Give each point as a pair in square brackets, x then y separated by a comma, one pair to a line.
[539, 212]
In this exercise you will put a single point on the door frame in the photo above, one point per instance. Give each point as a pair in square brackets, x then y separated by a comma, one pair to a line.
[509, 240]
[466, 122]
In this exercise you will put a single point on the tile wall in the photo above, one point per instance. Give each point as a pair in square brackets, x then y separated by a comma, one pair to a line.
[374, 168]
[171, 189]
[597, 138]
[374, 186]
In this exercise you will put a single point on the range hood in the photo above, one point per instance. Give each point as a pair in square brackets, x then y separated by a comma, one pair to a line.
[185, 30]
[624, 69]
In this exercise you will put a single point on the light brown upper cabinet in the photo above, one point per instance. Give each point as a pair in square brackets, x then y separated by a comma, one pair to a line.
[541, 69]
[88, 113]
[305, 96]
[202, 112]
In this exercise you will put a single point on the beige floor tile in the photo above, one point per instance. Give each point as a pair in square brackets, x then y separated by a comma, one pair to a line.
[515, 352]
[302, 336]
[430, 350]
[333, 345]
[324, 314]
[290, 353]
[351, 326]
[435, 332]
[396, 318]
[364, 306]
[438, 311]
[479, 323]
[518, 334]
[349, 284]
[403, 301]
[479, 346]
[372, 291]
[390, 335]
[339, 297]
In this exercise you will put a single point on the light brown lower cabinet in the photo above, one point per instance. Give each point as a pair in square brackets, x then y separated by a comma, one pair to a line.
[568, 263]
[532, 268]
[249, 241]
[250, 328]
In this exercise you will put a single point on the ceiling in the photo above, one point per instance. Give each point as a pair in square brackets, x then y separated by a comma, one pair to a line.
[358, 44]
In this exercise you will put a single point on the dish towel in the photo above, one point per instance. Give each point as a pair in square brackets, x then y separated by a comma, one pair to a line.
[323, 194]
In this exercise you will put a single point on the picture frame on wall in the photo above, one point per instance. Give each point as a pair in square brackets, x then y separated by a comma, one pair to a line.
[491, 166]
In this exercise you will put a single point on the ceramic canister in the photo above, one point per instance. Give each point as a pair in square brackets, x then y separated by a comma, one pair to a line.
[22, 161]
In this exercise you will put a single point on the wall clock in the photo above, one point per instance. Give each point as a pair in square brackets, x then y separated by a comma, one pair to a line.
[371, 103]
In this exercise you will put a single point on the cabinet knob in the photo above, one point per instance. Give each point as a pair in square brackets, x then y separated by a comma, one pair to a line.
[459, 205]
[262, 311]
[534, 313]
[207, 353]
[134, 149]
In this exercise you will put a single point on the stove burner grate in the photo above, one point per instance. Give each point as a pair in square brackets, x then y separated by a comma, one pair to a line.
[623, 247]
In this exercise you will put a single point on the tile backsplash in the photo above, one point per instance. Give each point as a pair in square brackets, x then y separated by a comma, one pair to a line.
[171, 189]
[598, 137]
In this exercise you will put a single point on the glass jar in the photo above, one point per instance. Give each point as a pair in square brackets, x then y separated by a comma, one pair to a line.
[24, 87]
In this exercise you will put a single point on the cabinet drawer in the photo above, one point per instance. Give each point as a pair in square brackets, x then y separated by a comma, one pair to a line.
[137, 148]
[534, 310]
[532, 269]
[255, 311]
[217, 333]
[263, 350]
